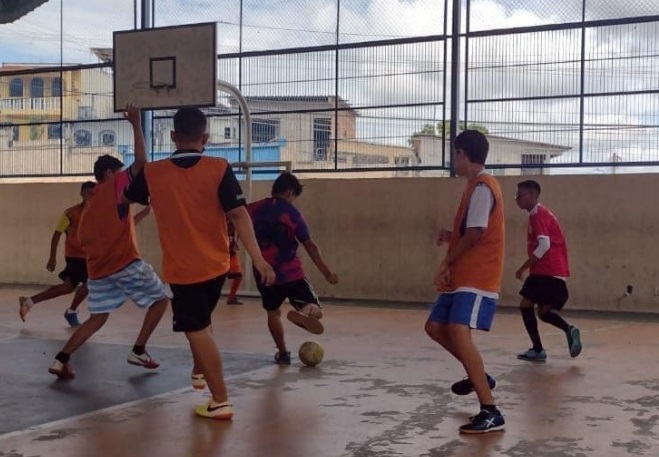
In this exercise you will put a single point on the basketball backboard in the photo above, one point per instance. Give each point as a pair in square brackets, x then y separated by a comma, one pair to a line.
[166, 67]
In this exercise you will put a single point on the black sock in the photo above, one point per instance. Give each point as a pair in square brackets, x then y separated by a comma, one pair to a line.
[139, 350]
[489, 408]
[531, 324]
[63, 357]
[554, 319]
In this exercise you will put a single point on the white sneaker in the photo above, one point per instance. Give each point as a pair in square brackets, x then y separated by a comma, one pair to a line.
[61, 370]
[143, 360]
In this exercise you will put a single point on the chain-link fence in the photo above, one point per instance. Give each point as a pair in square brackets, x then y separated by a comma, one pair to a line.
[360, 86]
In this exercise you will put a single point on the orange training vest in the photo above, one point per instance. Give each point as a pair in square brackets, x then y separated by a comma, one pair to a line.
[191, 222]
[481, 267]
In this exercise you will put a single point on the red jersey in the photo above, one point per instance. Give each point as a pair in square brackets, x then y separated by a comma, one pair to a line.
[543, 223]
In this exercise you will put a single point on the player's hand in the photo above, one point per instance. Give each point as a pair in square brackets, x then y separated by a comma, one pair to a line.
[50, 266]
[443, 277]
[444, 236]
[132, 114]
[332, 278]
[519, 274]
[268, 275]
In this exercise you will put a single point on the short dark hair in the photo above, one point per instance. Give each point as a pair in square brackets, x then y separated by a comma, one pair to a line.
[285, 182]
[190, 123]
[104, 163]
[474, 144]
[530, 185]
[87, 185]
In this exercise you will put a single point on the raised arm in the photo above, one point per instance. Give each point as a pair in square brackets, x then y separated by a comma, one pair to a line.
[132, 115]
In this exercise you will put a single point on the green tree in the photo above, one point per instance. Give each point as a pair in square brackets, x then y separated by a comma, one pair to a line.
[427, 129]
[462, 125]
[445, 127]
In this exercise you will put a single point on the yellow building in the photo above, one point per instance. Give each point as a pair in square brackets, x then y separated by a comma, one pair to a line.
[31, 96]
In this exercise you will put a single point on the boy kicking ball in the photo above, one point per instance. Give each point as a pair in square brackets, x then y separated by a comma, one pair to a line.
[280, 228]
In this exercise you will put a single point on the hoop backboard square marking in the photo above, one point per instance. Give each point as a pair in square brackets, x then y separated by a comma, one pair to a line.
[162, 73]
[180, 59]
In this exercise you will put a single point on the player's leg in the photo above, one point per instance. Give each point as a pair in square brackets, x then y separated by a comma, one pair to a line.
[532, 292]
[308, 310]
[272, 297]
[474, 311]
[193, 305]
[141, 284]
[71, 314]
[437, 327]
[209, 361]
[555, 297]
[236, 277]
[25, 304]
[78, 275]
[104, 297]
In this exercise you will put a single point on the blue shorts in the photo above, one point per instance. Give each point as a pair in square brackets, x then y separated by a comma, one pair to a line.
[136, 281]
[466, 308]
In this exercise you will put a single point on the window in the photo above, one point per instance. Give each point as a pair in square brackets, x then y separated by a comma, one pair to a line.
[107, 138]
[402, 161]
[16, 87]
[227, 132]
[82, 138]
[56, 87]
[54, 131]
[322, 128]
[14, 129]
[84, 112]
[532, 159]
[36, 88]
[265, 130]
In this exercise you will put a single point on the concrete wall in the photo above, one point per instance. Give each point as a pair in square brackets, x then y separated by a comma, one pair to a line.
[378, 235]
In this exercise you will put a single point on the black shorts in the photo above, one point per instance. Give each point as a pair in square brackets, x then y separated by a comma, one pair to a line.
[545, 290]
[75, 271]
[193, 304]
[299, 293]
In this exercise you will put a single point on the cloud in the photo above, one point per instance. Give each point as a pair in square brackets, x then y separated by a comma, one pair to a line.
[539, 64]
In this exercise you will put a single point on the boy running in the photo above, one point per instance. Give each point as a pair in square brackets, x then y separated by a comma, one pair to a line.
[116, 271]
[75, 271]
[549, 268]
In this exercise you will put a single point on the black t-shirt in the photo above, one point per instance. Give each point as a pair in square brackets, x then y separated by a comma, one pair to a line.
[228, 190]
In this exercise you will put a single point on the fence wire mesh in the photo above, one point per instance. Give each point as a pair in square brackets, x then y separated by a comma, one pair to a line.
[361, 85]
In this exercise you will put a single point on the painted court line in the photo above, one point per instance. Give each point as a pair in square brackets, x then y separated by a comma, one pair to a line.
[113, 408]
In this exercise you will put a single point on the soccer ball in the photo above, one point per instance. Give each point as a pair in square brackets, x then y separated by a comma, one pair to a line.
[311, 353]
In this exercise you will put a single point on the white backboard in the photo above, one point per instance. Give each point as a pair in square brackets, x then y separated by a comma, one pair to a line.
[165, 67]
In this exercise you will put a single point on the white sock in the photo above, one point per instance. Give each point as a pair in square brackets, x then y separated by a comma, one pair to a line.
[71, 311]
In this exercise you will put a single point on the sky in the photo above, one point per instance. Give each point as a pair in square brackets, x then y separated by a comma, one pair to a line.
[542, 64]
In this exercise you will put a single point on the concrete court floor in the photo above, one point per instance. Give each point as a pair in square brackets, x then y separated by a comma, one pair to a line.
[382, 390]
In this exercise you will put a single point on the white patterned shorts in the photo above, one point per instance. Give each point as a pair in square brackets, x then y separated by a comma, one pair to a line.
[137, 281]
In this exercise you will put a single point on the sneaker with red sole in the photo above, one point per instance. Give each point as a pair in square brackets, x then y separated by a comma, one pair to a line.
[143, 360]
[61, 370]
